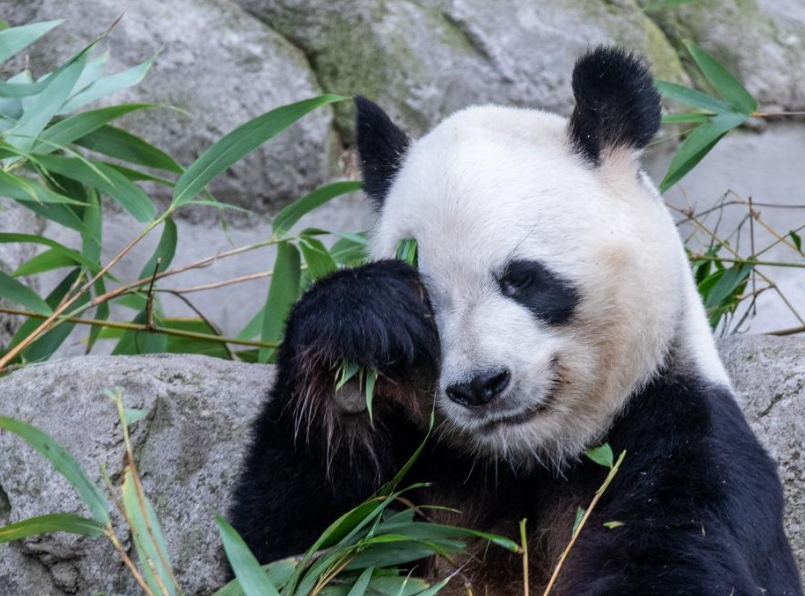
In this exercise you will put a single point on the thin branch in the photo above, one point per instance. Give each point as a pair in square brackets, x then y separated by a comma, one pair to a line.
[139, 327]
[583, 521]
[219, 284]
[741, 261]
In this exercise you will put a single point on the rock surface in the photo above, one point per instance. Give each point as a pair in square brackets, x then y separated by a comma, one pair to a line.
[219, 66]
[189, 445]
[188, 448]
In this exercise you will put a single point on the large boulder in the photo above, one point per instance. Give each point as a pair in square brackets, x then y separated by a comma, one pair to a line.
[189, 446]
[188, 449]
[218, 65]
[422, 60]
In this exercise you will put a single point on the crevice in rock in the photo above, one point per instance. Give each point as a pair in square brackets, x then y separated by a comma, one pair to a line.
[5, 506]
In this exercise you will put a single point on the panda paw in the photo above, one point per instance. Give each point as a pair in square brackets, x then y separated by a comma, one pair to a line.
[378, 317]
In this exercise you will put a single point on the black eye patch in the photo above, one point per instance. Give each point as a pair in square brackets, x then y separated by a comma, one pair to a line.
[547, 295]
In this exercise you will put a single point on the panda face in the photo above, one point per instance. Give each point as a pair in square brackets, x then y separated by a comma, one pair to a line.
[555, 272]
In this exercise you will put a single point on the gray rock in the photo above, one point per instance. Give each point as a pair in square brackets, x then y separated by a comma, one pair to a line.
[18, 220]
[424, 59]
[188, 450]
[769, 377]
[189, 446]
[762, 41]
[216, 63]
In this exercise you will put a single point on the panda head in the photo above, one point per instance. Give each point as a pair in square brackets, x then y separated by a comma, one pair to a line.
[555, 272]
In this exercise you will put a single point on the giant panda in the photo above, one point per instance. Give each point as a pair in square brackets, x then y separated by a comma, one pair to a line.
[552, 310]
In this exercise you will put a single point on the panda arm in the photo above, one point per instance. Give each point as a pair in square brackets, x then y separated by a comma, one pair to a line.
[315, 453]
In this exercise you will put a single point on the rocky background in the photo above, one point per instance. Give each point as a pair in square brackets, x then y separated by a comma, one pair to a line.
[224, 61]
[192, 439]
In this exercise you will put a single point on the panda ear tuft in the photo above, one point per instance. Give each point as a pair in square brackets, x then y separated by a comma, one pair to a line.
[617, 105]
[381, 146]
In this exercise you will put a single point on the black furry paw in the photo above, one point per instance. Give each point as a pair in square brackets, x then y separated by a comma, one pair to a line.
[377, 316]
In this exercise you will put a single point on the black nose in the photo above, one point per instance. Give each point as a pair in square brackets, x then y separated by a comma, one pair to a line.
[482, 389]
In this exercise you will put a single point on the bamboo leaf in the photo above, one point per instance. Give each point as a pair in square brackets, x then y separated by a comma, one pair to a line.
[278, 573]
[282, 293]
[64, 463]
[15, 39]
[186, 345]
[148, 539]
[691, 97]
[80, 125]
[662, 4]
[730, 88]
[45, 105]
[54, 522]
[698, 144]
[120, 144]
[318, 259]
[292, 213]
[107, 86]
[105, 179]
[602, 455]
[693, 117]
[76, 257]
[13, 290]
[253, 580]
[577, 521]
[26, 190]
[238, 143]
[727, 283]
[164, 252]
[47, 261]
[362, 583]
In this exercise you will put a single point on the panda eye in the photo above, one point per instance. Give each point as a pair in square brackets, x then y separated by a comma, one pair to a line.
[513, 281]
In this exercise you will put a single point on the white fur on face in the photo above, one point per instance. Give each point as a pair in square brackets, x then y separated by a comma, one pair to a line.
[493, 184]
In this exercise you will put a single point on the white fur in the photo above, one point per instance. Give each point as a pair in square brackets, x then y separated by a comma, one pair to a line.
[490, 184]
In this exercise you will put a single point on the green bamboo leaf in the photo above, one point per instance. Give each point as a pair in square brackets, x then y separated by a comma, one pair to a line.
[107, 86]
[277, 572]
[26, 190]
[148, 539]
[135, 343]
[64, 463]
[107, 180]
[44, 106]
[437, 587]
[47, 261]
[691, 97]
[292, 213]
[61, 214]
[665, 4]
[371, 378]
[730, 88]
[81, 125]
[282, 293]
[74, 256]
[346, 251]
[14, 39]
[120, 144]
[93, 71]
[431, 531]
[164, 252]
[407, 251]
[727, 284]
[602, 455]
[253, 580]
[318, 259]
[698, 144]
[238, 143]
[47, 344]
[693, 117]
[253, 327]
[53, 522]
[577, 521]
[796, 239]
[13, 290]
[186, 345]
[611, 525]
[362, 583]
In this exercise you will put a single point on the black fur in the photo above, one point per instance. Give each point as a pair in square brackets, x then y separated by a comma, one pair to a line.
[548, 296]
[381, 146]
[617, 105]
[698, 497]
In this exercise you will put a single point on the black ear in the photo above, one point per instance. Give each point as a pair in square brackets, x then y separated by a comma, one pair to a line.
[381, 146]
[617, 105]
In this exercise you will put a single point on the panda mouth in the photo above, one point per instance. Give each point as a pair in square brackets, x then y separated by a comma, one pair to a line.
[517, 418]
